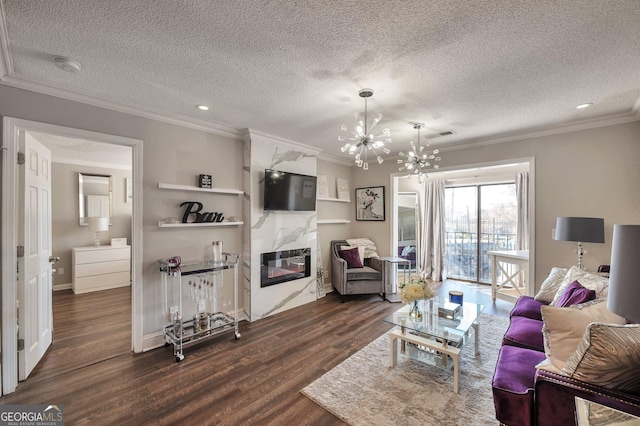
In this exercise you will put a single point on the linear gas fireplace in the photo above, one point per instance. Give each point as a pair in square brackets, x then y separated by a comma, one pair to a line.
[281, 266]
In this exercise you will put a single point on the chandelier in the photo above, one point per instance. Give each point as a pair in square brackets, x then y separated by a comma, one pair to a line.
[363, 139]
[417, 162]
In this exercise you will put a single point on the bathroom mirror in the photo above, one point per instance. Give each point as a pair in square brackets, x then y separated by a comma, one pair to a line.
[95, 197]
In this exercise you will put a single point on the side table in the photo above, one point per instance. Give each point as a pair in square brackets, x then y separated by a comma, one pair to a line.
[390, 276]
[589, 413]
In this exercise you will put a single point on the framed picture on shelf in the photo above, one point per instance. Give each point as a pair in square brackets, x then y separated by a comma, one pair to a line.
[342, 188]
[323, 187]
[370, 203]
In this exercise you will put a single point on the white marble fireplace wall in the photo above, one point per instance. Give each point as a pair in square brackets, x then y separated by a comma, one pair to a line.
[275, 230]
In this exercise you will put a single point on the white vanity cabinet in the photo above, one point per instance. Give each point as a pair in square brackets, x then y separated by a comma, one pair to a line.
[100, 268]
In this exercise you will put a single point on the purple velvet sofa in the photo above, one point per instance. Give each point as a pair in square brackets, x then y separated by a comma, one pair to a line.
[525, 396]
[408, 253]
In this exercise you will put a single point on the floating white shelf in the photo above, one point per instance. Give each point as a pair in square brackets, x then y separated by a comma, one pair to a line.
[325, 221]
[162, 224]
[337, 200]
[198, 189]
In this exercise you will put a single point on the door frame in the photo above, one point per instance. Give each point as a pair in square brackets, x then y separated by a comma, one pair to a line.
[9, 340]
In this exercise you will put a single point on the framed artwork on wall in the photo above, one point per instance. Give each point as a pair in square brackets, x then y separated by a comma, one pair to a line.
[323, 187]
[370, 203]
[342, 188]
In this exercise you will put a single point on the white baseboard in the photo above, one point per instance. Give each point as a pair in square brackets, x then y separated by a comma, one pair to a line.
[58, 287]
[328, 287]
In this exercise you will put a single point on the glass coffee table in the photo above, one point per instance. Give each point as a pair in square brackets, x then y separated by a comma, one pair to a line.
[438, 337]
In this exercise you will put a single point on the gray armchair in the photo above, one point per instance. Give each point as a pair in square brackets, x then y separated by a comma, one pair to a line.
[367, 280]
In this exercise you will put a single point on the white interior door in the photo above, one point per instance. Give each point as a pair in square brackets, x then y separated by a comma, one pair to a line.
[35, 311]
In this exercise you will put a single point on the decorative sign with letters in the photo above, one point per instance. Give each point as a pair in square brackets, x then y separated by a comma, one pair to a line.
[194, 208]
[205, 181]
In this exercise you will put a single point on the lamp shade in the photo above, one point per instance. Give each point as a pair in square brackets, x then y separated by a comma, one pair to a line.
[98, 224]
[624, 285]
[581, 229]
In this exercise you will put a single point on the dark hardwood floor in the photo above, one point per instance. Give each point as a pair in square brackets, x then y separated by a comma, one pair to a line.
[254, 380]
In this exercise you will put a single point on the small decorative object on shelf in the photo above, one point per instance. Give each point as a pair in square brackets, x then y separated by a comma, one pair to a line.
[206, 217]
[205, 181]
[414, 291]
[322, 187]
[217, 251]
[342, 188]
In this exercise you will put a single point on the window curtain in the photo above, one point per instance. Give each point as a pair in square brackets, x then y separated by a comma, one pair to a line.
[432, 230]
[522, 194]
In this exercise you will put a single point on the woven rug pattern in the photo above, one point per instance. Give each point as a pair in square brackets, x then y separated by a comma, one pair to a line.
[364, 390]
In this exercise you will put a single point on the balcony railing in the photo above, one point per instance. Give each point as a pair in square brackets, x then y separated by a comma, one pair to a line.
[461, 253]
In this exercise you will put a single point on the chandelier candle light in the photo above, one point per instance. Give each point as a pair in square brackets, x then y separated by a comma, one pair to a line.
[417, 162]
[364, 140]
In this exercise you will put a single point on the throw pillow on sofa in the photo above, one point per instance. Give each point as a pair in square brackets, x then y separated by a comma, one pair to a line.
[551, 284]
[352, 258]
[563, 328]
[589, 280]
[608, 356]
[576, 294]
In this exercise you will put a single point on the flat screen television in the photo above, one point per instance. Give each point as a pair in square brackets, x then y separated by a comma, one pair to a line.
[289, 191]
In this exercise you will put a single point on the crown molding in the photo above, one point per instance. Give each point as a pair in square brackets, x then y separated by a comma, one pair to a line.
[6, 63]
[337, 160]
[593, 123]
[250, 133]
[127, 108]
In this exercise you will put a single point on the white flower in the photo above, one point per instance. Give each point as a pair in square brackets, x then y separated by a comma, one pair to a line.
[416, 289]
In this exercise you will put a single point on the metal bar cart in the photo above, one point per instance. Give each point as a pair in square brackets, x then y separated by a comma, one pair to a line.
[204, 285]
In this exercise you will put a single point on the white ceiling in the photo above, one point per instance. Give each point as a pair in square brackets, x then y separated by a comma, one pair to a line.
[487, 70]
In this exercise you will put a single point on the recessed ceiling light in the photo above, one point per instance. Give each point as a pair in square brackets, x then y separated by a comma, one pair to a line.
[66, 64]
[202, 107]
[585, 105]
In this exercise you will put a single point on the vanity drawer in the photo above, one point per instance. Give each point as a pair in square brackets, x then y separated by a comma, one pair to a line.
[99, 268]
[101, 282]
[107, 255]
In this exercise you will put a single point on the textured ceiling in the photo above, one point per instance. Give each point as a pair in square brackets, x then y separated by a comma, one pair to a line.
[292, 69]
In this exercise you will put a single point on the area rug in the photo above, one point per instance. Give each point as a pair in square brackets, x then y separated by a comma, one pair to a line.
[364, 390]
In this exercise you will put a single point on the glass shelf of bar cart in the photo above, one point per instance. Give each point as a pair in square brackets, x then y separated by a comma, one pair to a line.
[194, 306]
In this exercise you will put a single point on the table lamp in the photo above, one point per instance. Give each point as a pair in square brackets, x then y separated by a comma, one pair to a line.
[624, 287]
[581, 230]
[97, 225]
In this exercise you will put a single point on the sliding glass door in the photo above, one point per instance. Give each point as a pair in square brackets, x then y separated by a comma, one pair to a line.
[478, 219]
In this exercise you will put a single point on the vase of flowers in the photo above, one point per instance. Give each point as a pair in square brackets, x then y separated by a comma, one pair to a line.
[414, 291]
